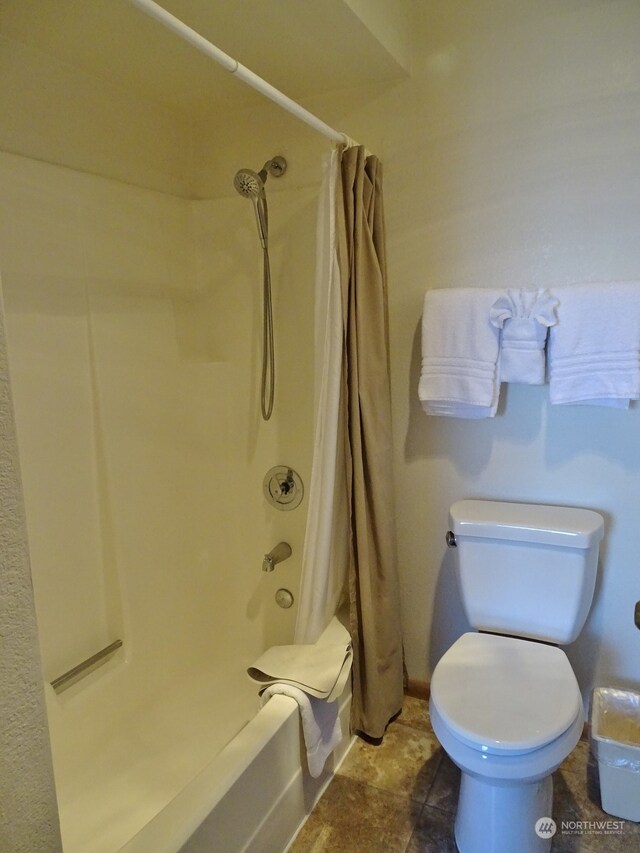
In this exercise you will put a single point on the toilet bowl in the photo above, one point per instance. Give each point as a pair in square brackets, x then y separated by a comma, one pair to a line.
[508, 711]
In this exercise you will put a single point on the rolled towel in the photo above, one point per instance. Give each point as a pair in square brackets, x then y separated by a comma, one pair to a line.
[460, 346]
[524, 317]
[594, 350]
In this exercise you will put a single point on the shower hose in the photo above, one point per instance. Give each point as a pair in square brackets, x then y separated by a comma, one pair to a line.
[268, 369]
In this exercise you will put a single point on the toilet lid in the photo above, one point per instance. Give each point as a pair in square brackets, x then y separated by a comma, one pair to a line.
[502, 694]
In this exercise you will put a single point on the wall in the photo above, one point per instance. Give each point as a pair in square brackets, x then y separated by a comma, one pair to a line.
[28, 817]
[511, 159]
[56, 113]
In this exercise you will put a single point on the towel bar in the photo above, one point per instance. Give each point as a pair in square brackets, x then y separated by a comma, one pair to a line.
[77, 671]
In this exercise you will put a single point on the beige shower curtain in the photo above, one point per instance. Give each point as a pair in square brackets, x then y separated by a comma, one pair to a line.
[372, 574]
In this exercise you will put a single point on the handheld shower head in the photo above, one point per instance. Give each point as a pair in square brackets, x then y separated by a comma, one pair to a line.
[250, 184]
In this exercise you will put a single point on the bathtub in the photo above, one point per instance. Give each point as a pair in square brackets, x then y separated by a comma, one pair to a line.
[199, 767]
[253, 797]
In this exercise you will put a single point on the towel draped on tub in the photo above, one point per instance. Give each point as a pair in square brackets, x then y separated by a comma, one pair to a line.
[321, 670]
[321, 727]
[314, 676]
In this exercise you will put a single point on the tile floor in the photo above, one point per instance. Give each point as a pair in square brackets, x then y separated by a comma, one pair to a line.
[401, 797]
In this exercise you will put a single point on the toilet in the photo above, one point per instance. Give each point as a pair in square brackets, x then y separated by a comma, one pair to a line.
[505, 703]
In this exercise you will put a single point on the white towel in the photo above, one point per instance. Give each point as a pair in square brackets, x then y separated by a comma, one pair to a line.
[321, 669]
[460, 346]
[594, 350]
[524, 317]
[320, 723]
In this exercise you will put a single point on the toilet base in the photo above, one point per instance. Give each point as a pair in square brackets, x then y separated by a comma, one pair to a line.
[502, 818]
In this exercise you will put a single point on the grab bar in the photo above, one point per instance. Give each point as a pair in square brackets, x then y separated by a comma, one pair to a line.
[73, 674]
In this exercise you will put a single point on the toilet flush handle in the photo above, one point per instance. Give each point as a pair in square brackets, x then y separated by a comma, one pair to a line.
[450, 539]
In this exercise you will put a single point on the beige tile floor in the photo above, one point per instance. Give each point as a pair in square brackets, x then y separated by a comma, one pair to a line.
[400, 797]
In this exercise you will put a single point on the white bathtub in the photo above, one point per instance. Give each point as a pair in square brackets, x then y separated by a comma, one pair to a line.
[194, 767]
[253, 797]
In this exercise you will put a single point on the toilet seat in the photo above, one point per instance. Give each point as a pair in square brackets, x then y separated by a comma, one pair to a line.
[503, 695]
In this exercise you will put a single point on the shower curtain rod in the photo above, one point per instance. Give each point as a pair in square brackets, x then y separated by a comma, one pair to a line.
[239, 70]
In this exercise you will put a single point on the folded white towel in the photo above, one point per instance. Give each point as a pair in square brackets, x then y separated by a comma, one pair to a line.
[320, 669]
[594, 350]
[320, 723]
[524, 317]
[459, 376]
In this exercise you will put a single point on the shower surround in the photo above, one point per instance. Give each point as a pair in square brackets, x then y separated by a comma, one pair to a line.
[133, 322]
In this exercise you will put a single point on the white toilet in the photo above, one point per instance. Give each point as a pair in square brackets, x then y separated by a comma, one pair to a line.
[505, 704]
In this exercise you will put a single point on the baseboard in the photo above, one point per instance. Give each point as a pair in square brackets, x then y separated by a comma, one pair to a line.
[417, 689]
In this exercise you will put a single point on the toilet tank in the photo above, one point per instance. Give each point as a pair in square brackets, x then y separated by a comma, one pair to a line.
[526, 569]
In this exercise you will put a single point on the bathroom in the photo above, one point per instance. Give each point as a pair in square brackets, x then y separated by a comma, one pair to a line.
[508, 134]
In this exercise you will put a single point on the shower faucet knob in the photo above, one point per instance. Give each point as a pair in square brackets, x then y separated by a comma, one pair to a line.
[283, 487]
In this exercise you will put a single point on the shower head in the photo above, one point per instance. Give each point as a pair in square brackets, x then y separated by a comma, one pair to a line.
[250, 184]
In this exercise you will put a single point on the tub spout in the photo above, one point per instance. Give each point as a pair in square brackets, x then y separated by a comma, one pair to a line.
[281, 552]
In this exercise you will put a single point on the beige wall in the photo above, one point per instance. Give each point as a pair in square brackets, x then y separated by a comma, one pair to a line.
[55, 112]
[28, 818]
[511, 159]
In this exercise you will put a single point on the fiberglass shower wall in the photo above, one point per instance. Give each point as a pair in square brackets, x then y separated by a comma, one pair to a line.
[131, 276]
[133, 320]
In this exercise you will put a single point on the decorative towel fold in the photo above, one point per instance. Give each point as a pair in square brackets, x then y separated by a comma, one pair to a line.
[594, 351]
[460, 346]
[320, 723]
[524, 317]
[319, 669]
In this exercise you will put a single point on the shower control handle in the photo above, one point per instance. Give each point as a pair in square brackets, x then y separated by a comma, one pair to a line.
[281, 552]
[283, 487]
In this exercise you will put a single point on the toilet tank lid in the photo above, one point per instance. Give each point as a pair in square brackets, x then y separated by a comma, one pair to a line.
[566, 526]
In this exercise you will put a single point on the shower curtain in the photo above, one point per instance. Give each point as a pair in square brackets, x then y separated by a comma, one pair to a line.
[355, 510]
[325, 551]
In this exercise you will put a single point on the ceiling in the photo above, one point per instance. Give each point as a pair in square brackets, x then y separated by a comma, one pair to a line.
[302, 47]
